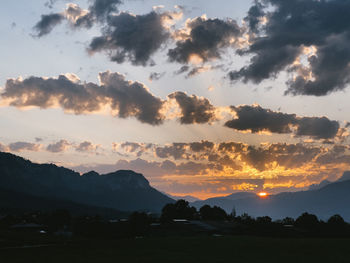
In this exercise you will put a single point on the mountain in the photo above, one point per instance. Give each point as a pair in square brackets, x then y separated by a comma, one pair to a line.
[16, 202]
[122, 190]
[324, 202]
[320, 185]
[345, 177]
[188, 198]
[223, 202]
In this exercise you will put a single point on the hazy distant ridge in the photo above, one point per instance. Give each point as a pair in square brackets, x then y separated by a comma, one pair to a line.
[326, 200]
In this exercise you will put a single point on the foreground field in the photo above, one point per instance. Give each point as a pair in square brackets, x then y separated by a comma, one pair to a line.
[185, 249]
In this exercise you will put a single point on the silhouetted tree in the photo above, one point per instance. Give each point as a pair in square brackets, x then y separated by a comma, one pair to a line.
[245, 219]
[288, 221]
[264, 220]
[180, 210]
[307, 220]
[212, 213]
[336, 220]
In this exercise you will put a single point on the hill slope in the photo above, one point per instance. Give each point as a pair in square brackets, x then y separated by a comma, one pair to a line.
[223, 202]
[122, 190]
[15, 202]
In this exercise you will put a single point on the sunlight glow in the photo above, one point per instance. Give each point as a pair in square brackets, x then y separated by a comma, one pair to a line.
[262, 195]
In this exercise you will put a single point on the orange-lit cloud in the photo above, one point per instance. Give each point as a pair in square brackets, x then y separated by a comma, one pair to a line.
[223, 168]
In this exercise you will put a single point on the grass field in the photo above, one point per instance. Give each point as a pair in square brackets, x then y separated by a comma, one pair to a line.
[186, 249]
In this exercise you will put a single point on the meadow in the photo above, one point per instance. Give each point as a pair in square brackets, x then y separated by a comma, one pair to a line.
[185, 249]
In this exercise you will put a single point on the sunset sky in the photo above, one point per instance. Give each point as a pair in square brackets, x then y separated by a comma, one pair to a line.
[203, 97]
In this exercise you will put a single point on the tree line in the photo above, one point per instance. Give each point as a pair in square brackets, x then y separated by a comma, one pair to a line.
[180, 217]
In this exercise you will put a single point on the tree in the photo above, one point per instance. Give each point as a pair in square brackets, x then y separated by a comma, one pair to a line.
[264, 220]
[307, 220]
[245, 219]
[180, 210]
[336, 221]
[288, 221]
[212, 213]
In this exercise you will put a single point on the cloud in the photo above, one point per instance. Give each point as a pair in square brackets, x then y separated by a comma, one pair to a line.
[78, 17]
[231, 147]
[87, 147]
[127, 98]
[256, 119]
[24, 146]
[309, 39]
[132, 37]
[203, 39]
[318, 128]
[214, 187]
[201, 146]
[47, 23]
[124, 36]
[337, 155]
[288, 156]
[132, 98]
[58, 147]
[98, 11]
[156, 75]
[151, 169]
[194, 109]
[228, 167]
[3, 148]
[254, 16]
[175, 150]
[138, 148]
[195, 70]
[103, 8]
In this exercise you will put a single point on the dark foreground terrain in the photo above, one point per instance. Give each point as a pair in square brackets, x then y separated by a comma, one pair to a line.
[184, 249]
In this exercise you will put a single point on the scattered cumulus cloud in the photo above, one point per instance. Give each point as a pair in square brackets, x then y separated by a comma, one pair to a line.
[314, 50]
[58, 147]
[194, 109]
[256, 119]
[203, 39]
[24, 146]
[126, 98]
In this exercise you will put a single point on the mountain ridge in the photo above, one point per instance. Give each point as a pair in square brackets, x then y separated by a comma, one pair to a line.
[122, 190]
[332, 198]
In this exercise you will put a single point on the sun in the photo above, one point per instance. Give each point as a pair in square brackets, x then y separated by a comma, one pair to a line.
[262, 194]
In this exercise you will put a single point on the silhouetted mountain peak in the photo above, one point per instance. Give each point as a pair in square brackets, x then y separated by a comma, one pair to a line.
[91, 174]
[122, 190]
[345, 177]
[188, 198]
[127, 178]
[320, 185]
[240, 195]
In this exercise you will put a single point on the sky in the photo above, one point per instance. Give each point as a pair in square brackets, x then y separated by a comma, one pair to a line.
[204, 98]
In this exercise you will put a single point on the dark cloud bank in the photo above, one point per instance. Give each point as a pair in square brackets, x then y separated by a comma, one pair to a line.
[133, 99]
[281, 35]
[98, 11]
[291, 27]
[206, 39]
[126, 97]
[257, 119]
